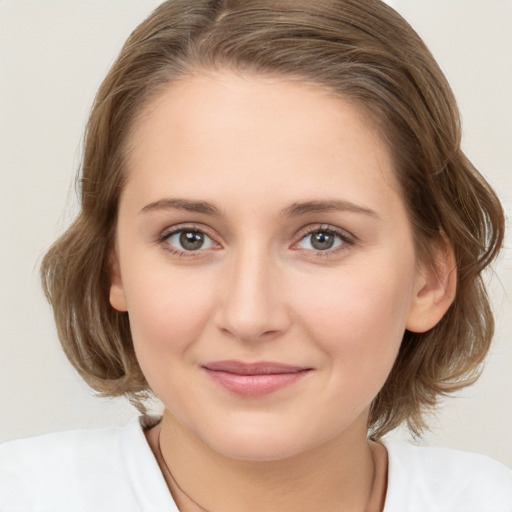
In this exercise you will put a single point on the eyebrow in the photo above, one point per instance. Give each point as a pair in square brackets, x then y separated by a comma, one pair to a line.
[302, 208]
[294, 210]
[183, 204]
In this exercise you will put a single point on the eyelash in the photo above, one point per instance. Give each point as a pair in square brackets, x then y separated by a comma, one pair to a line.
[166, 234]
[346, 239]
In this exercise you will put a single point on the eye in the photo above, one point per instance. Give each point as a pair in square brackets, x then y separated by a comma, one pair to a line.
[188, 240]
[323, 239]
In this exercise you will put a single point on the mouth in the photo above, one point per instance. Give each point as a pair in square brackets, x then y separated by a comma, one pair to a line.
[254, 379]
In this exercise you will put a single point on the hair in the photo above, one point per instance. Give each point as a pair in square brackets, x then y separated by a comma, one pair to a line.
[361, 50]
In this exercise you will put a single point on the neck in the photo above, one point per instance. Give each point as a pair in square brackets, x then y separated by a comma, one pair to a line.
[347, 473]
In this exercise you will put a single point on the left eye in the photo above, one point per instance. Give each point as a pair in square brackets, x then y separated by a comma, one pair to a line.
[189, 240]
[322, 240]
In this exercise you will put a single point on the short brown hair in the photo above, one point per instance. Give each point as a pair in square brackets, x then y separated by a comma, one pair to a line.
[365, 52]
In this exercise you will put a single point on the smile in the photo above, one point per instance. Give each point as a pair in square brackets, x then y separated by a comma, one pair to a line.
[254, 379]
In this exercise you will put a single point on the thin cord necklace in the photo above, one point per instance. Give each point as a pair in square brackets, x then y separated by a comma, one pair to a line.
[171, 476]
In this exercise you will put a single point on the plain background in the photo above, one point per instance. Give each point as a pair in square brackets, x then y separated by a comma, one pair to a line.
[53, 55]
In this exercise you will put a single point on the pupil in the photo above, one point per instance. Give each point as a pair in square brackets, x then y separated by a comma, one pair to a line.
[322, 241]
[191, 240]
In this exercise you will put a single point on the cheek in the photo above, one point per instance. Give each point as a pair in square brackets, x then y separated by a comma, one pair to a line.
[359, 320]
[167, 313]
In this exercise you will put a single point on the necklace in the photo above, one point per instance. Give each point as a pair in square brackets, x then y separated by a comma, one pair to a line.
[171, 476]
[370, 507]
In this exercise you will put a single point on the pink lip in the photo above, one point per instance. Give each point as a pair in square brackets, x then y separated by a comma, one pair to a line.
[254, 379]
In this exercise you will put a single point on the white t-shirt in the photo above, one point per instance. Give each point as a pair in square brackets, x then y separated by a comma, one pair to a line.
[114, 470]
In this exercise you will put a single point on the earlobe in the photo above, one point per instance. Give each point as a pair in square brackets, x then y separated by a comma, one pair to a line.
[116, 295]
[435, 289]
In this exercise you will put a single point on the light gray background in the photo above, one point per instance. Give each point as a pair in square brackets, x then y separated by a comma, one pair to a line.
[53, 55]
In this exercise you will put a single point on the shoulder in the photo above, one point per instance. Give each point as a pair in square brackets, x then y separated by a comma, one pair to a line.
[82, 465]
[426, 479]
[59, 452]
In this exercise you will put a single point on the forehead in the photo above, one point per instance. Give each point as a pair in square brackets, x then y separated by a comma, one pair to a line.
[225, 132]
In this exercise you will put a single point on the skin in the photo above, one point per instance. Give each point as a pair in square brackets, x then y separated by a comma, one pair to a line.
[258, 289]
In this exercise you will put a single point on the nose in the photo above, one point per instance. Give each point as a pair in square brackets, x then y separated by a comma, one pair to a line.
[252, 301]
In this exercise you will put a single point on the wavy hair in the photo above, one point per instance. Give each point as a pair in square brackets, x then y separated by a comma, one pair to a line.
[365, 52]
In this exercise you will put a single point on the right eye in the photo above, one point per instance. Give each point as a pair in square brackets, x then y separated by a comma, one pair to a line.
[187, 240]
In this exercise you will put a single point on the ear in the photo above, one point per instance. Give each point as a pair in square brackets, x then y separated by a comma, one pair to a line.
[435, 288]
[116, 296]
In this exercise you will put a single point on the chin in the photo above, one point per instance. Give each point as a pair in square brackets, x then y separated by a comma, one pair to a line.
[257, 442]
[257, 448]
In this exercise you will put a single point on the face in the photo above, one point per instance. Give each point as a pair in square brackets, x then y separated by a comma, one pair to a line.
[266, 261]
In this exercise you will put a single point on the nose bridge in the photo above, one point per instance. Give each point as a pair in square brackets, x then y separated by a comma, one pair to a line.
[252, 304]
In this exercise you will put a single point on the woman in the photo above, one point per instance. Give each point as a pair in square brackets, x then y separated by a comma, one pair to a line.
[281, 239]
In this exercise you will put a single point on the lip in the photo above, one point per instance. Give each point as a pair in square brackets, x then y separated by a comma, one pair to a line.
[254, 379]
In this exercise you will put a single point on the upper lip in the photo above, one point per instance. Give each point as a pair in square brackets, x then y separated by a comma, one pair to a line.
[256, 368]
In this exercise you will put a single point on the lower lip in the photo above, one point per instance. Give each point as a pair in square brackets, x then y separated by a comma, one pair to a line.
[255, 385]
